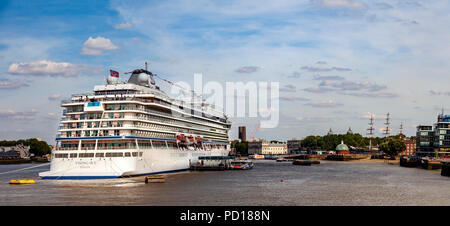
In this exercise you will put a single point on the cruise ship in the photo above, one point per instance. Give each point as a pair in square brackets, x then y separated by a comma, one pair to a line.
[133, 128]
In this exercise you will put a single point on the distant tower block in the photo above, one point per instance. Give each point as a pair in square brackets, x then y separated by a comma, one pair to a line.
[242, 133]
[349, 131]
[330, 132]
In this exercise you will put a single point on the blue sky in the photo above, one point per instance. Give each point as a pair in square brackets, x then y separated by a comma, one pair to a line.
[337, 61]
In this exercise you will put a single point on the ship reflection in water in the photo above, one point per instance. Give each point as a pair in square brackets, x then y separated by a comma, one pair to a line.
[268, 183]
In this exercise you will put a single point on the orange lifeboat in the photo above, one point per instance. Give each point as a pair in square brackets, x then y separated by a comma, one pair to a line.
[181, 138]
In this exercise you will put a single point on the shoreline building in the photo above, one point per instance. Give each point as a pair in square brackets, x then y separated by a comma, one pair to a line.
[242, 133]
[263, 147]
[434, 141]
[293, 146]
[15, 152]
[410, 147]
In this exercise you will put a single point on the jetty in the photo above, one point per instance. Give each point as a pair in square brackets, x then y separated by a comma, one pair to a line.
[445, 168]
[212, 163]
[430, 163]
[410, 161]
[347, 157]
[305, 162]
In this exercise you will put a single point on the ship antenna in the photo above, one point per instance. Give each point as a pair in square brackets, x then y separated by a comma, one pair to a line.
[146, 66]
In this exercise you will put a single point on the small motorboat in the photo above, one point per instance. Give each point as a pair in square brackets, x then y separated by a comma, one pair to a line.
[241, 164]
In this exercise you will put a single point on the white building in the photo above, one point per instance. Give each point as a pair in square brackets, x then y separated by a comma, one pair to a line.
[263, 147]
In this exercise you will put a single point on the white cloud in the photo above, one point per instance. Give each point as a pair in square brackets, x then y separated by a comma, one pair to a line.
[97, 46]
[247, 69]
[123, 26]
[44, 67]
[23, 115]
[54, 96]
[51, 116]
[317, 89]
[8, 84]
[292, 98]
[324, 104]
[367, 115]
[341, 4]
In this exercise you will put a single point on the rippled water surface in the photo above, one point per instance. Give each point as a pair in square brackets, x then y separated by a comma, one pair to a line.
[330, 183]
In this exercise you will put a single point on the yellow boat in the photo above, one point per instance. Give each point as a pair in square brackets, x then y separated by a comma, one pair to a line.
[22, 181]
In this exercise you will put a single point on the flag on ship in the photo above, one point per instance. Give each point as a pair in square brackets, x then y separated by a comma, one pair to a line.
[114, 73]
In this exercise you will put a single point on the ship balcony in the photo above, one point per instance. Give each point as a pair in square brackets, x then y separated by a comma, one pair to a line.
[190, 119]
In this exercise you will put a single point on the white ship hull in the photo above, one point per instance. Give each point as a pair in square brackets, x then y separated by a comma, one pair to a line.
[152, 161]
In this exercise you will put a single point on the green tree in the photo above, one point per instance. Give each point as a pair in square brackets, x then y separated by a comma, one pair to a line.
[392, 147]
[241, 148]
[312, 141]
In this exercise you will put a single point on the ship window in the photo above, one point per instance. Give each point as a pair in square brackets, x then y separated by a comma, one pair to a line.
[86, 155]
[73, 155]
[127, 154]
[135, 154]
[99, 154]
[114, 154]
[61, 155]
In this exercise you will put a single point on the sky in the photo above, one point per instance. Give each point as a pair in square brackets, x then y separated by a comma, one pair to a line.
[337, 61]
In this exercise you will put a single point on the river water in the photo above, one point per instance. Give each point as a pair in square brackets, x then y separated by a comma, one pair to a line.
[329, 183]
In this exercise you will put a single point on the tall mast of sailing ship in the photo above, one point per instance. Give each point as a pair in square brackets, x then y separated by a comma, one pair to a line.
[370, 133]
[387, 123]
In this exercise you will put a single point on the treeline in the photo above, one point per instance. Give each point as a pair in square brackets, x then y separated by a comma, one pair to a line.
[329, 142]
[241, 148]
[37, 147]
